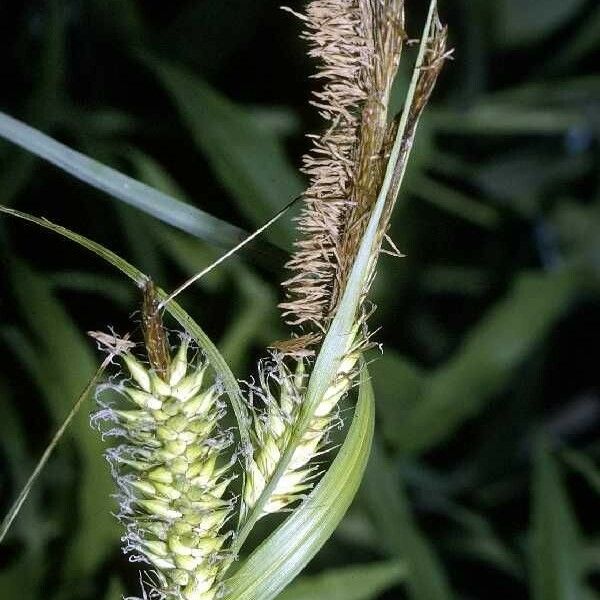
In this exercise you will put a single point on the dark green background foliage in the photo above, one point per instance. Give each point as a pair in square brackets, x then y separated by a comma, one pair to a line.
[484, 480]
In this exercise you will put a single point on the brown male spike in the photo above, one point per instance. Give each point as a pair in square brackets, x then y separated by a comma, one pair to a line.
[358, 44]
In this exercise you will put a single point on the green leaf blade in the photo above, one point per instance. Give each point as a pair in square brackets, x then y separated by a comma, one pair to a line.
[248, 160]
[526, 21]
[486, 360]
[174, 212]
[67, 363]
[357, 582]
[398, 531]
[556, 554]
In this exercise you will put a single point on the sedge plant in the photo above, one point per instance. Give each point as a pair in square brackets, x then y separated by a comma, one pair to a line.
[175, 464]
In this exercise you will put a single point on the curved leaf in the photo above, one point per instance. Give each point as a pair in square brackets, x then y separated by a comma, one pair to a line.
[25, 491]
[398, 531]
[557, 568]
[272, 566]
[357, 582]
[526, 21]
[21, 578]
[583, 465]
[248, 159]
[216, 359]
[486, 359]
[179, 214]
[61, 361]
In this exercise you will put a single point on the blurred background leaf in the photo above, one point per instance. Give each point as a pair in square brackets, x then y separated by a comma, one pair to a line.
[526, 21]
[351, 583]
[248, 159]
[556, 554]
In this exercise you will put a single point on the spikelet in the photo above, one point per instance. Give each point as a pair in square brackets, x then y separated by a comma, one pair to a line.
[358, 45]
[280, 393]
[171, 483]
[171, 489]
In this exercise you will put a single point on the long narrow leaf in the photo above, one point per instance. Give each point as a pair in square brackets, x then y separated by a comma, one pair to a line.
[357, 582]
[21, 579]
[61, 362]
[583, 465]
[487, 358]
[217, 361]
[249, 160]
[399, 533]
[183, 216]
[556, 553]
[267, 571]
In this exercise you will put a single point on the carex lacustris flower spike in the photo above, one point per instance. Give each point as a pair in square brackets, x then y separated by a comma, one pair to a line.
[358, 44]
[276, 401]
[172, 482]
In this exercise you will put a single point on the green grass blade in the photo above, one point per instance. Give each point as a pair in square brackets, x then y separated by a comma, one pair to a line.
[399, 533]
[398, 385]
[45, 99]
[520, 22]
[61, 362]
[357, 582]
[488, 118]
[271, 567]
[583, 465]
[217, 361]
[151, 172]
[256, 318]
[21, 578]
[487, 358]
[454, 202]
[115, 590]
[22, 497]
[84, 282]
[556, 553]
[248, 160]
[170, 210]
[582, 42]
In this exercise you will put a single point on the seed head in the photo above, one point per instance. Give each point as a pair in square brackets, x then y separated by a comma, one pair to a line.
[172, 485]
[277, 403]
